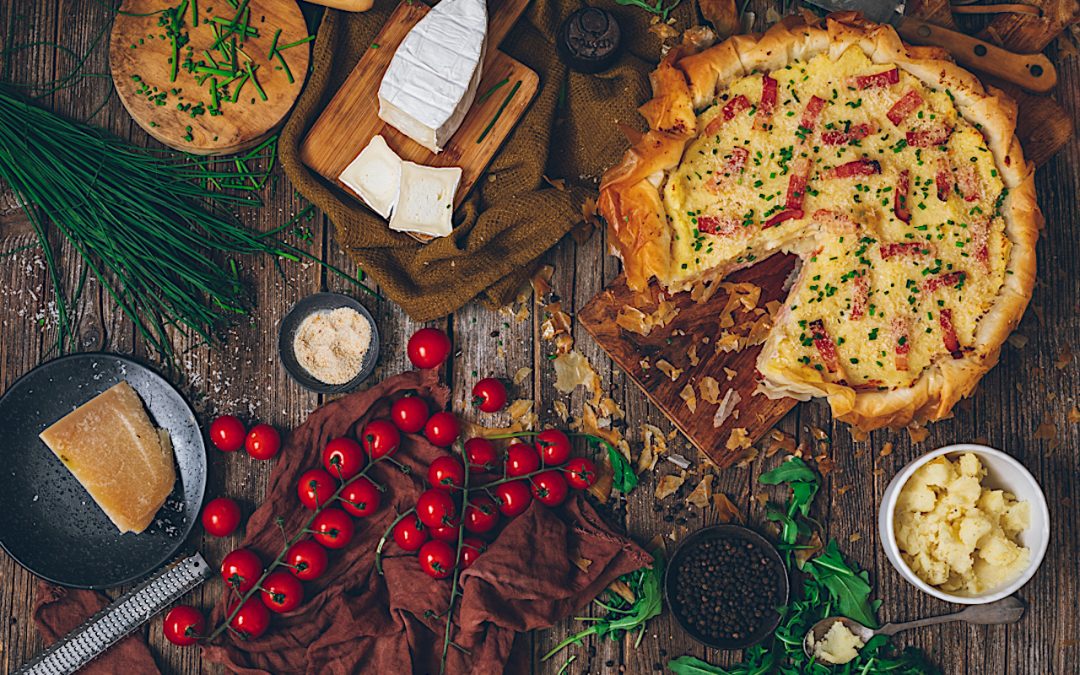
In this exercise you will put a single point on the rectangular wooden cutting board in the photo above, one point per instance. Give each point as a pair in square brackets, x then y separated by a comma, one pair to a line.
[351, 119]
[638, 356]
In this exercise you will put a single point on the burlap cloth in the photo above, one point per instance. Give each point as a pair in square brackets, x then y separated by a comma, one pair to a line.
[512, 216]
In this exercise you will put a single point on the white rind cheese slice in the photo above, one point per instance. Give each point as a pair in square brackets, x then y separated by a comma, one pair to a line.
[431, 81]
[425, 202]
[374, 176]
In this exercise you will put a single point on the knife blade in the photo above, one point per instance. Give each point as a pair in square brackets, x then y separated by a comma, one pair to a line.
[1033, 72]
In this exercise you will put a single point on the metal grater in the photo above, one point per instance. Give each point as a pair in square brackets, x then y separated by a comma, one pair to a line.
[122, 616]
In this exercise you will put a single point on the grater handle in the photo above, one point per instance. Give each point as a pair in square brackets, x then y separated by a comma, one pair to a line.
[121, 617]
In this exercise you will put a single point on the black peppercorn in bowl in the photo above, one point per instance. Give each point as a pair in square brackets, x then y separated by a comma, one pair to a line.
[724, 584]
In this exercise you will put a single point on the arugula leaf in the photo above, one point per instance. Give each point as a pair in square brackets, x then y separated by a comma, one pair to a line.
[624, 479]
[792, 470]
[647, 584]
[848, 588]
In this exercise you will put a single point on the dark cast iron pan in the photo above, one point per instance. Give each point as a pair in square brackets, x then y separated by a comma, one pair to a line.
[48, 521]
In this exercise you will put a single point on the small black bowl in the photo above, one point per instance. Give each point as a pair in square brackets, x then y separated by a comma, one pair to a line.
[727, 531]
[321, 302]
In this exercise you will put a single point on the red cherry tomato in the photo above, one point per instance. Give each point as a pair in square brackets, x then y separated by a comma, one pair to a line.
[481, 455]
[521, 459]
[263, 442]
[554, 447]
[489, 395]
[513, 498]
[410, 413]
[442, 429]
[241, 569]
[221, 517]
[252, 620]
[315, 488]
[308, 560]
[436, 508]
[343, 458]
[447, 533]
[360, 498]
[471, 548]
[333, 528]
[580, 473]
[227, 433]
[549, 488]
[380, 438]
[446, 473]
[437, 559]
[410, 534]
[282, 592]
[428, 347]
[184, 625]
[481, 515]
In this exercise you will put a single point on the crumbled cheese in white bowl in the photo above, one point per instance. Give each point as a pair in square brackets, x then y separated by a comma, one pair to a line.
[965, 523]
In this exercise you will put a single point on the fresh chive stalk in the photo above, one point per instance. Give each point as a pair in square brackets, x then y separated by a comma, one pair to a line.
[154, 227]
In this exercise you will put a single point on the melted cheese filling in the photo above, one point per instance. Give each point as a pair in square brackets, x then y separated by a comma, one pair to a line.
[897, 221]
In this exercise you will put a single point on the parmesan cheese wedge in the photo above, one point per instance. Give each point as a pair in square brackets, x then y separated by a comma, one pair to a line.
[425, 203]
[374, 176]
[123, 461]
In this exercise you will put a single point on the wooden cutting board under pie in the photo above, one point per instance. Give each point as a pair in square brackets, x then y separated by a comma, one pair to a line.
[209, 78]
[351, 119]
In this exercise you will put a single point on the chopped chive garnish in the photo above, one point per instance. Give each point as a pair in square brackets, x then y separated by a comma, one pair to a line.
[499, 112]
[493, 89]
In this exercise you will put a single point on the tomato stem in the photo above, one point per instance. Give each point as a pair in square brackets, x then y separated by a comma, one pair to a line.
[280, 559]
[457, 574]
[386, 535]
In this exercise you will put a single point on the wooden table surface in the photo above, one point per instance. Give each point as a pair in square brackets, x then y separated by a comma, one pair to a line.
[1022, 405]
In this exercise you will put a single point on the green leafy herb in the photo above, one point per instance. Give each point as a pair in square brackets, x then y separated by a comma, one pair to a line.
[658, 7]
[847, 587]
[623, 479]
[622, 616]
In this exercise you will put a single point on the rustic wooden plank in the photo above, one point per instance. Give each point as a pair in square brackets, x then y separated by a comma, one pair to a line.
[1014, 404]
[695, 328]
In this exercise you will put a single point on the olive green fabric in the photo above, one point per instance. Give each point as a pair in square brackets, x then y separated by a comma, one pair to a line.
[570, 132]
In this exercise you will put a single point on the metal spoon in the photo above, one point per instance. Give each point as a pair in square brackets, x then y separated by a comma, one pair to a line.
[1006, 610]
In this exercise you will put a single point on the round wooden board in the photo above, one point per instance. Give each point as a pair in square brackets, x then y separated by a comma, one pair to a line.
[139, 56]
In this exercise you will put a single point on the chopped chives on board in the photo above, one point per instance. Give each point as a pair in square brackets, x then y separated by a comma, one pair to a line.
[487, 94]
[499, 112]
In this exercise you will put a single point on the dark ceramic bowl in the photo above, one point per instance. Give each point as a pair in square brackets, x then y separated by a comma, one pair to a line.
[322, 302]
[728, 531]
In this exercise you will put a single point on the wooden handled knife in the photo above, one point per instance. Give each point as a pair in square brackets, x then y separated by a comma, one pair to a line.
[1033, 72]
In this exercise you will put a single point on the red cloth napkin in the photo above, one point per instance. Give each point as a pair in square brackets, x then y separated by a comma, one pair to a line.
[353, 620]
[58, 611]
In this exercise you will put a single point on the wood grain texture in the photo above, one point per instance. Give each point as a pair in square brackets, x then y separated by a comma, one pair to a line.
[351, 119]
[1033, 386]
[696, 327]
[140, 58]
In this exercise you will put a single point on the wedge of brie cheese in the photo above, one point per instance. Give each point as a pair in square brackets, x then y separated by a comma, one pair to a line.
[431, 81]
[374, 176]
[110, 445]
[425, 203]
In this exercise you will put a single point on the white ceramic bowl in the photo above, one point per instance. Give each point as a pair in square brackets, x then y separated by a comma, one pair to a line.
[1003, 472]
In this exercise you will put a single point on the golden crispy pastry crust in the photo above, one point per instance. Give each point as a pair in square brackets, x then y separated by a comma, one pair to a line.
[631, 197]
